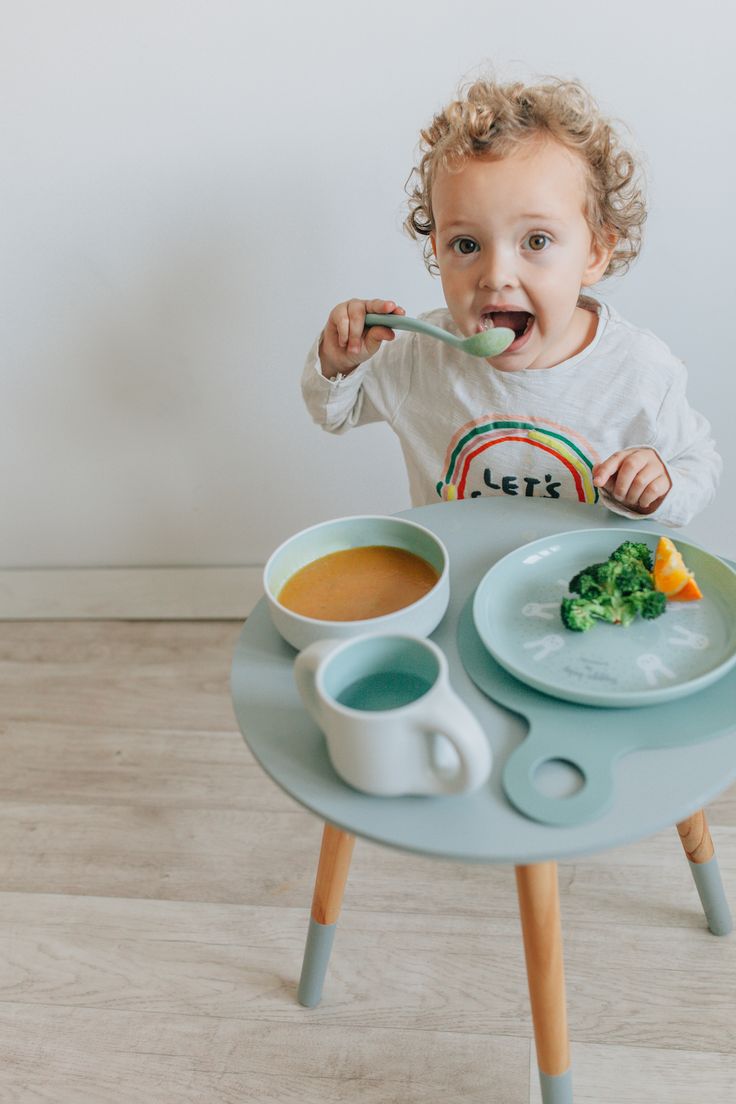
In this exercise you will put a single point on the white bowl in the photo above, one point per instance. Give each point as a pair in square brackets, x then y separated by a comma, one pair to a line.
[420, 618]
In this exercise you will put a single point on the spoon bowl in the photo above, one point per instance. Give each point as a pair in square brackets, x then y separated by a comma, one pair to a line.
[488, 343]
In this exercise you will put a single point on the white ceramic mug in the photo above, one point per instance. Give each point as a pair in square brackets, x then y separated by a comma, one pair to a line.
[392, 722]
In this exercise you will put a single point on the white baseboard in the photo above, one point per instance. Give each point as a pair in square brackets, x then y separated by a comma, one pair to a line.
[140, 593]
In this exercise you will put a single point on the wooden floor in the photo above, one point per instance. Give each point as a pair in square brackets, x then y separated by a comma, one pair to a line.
[155, 898]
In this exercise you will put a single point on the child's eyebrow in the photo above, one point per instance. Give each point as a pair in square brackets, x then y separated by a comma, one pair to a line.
[540, 216]
[524, 216]
[456, 224]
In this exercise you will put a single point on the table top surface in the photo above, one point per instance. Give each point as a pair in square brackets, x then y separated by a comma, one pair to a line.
[652, 789]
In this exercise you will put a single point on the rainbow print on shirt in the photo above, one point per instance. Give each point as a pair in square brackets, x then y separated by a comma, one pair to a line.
[513, 455]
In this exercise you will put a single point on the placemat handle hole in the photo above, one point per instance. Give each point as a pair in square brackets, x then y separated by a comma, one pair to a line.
[558, 778]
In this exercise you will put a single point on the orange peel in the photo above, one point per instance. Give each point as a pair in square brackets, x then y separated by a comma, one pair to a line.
[671, 576]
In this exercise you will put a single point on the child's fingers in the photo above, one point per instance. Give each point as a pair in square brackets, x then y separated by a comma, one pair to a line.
[638, 470]
[376, 334]
[637, 478]
[607, 468]
[340, 320]
[356, 309]
[654, 492]
[348, 322]
[343, 332]
[621, 470]
[631, 478]
[383, 306]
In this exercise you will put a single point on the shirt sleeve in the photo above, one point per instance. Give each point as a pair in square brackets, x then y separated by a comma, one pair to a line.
[372, 392]
[684, 443]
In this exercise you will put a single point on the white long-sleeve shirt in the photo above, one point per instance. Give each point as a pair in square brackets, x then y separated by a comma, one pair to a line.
[467, 429]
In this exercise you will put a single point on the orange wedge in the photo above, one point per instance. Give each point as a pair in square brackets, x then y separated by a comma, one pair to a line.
[671, 576]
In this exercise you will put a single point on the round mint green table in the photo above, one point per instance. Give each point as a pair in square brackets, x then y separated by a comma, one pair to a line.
[652, 789]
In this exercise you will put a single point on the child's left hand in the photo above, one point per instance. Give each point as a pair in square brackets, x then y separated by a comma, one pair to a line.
[636, 478]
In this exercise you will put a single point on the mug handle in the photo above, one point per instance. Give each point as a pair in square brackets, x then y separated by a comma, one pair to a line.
[448, 716]
[305, 672]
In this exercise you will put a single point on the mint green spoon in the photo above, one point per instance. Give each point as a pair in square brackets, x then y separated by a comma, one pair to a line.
[489, 343]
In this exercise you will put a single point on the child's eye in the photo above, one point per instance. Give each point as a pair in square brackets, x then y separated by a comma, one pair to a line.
[537, 242]
[464, 246]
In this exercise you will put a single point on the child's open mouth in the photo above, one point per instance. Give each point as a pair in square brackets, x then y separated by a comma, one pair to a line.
[521, 322]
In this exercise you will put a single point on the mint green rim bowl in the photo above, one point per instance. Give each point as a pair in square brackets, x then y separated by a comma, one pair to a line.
[419, 619]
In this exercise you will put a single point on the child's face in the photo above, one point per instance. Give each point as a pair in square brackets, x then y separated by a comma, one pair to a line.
[514, 249]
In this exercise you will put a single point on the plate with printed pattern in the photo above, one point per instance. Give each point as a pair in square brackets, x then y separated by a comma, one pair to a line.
[516, 611]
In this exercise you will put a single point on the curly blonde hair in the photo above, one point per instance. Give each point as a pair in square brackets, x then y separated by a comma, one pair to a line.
[493, 120]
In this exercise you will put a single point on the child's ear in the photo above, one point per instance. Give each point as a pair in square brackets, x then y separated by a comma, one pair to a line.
[601, 251]
[433, 239]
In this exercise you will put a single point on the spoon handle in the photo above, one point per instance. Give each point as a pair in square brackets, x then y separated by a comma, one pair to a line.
[403, 322]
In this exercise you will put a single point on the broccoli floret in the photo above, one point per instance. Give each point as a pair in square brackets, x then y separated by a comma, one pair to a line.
[633, 578]
[651, 603]
[606, 575]
[585, 583]
[602, 578]
[633, 552]
[617, 577]
[626, 609]
[576, 614]
[579, 614]
[614, 591]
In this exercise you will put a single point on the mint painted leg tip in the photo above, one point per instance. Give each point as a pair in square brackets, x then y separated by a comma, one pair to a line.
[556, 1089]
[320, 938]
[707, 878]
[720, 924]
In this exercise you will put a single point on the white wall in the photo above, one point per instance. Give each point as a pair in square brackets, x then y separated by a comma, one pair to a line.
[187, 187]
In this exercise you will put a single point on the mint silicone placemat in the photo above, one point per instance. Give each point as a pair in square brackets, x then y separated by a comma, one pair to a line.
[590, 738]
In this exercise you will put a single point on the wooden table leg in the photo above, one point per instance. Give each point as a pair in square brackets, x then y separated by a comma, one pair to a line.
[329, 887]
[539, 908]
[696, 840]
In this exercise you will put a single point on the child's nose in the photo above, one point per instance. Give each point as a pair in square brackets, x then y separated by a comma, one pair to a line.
[498, 270]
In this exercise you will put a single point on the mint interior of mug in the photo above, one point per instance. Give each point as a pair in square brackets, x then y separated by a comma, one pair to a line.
[375, 674]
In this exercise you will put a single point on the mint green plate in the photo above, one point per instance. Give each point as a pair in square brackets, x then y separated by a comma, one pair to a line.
[516, 612]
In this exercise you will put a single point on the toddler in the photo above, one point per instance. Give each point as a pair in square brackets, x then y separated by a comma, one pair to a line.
[525, 198]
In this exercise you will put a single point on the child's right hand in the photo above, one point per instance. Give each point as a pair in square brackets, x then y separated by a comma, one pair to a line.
[345, 343]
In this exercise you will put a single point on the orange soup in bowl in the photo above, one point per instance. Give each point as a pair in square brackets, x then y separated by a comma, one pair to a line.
[356, 584]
